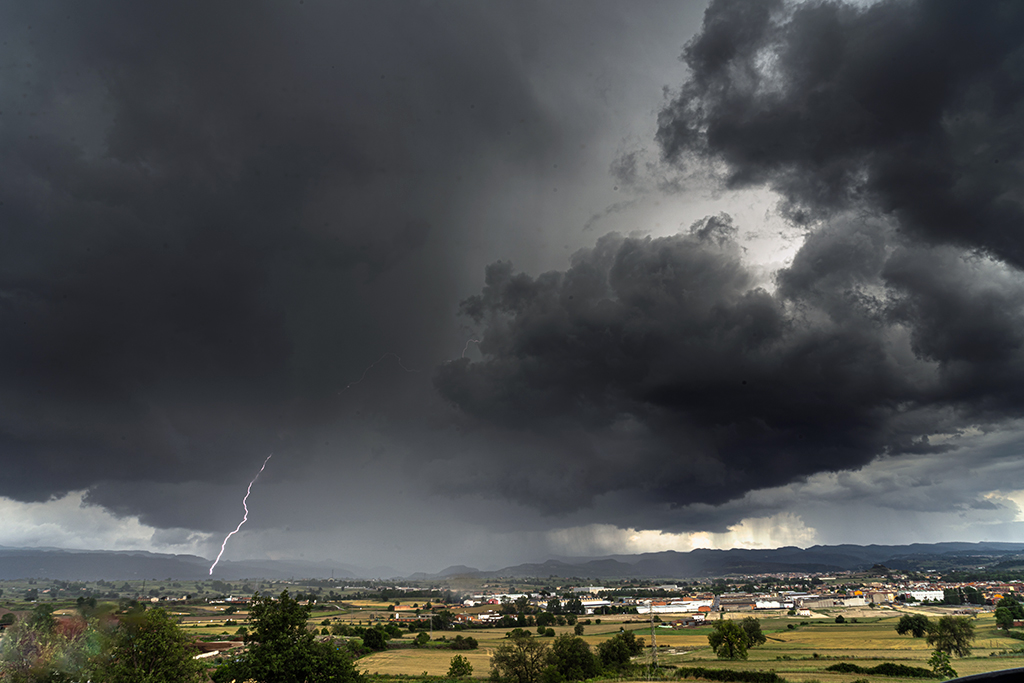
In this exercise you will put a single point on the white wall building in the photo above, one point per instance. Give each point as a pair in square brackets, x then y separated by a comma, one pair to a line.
[926, 595]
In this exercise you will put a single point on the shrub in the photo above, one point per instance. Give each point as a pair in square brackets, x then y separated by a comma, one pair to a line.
[730, 676]
[461, 643]
[459, 667]
[886, 669]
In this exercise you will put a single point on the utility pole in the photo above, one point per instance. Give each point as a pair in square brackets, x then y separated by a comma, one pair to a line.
[654, 641]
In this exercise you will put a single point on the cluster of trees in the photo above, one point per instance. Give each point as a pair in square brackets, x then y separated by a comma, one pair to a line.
[964, 595]
[128, 647]
[523, 659]
[731, 639]
[460, 643]
[558, 612]
[135, 645]
[373, 637]
[521, 605]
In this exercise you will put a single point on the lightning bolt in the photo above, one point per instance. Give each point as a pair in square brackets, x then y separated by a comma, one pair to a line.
[466, 347]
[372, 365]
[245, 518]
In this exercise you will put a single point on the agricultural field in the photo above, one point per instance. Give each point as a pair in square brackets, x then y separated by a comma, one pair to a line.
[798, 648]
[804, 652]
[798, 654]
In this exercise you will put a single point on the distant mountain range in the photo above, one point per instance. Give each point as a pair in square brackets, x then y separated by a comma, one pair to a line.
[80, 565]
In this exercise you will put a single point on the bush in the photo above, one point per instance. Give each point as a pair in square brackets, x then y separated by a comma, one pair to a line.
[459, 667]
[616, 652]
[375, 639]
[729, 675]
[886, 669]
[461, 643]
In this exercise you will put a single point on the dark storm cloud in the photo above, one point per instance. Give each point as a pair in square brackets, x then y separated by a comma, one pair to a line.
[211, 217]
[667, 347]
[912, 107]
[892, 132]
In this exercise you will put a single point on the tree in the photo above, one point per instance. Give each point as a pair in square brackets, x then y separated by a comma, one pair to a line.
[752, 627]
[41, 618]
[941, 667]
[1016, 609]
[728, 640]
[578, 629]
[375, 639]
[973, 596]
[1008, 610]
[918, 625]
[1004, 619]
[281, 649]
[443, 620]
[520, 659]
[459, 667]
[148, 647]
[573, 659]
[952, 635]
[616, 652]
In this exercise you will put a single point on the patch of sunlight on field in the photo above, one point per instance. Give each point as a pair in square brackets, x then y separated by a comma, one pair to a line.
[844, 637]
[414, 662]
[368, 604]
[685, 641]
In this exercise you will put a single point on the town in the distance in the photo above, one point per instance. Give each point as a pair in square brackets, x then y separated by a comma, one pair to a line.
[886, 623]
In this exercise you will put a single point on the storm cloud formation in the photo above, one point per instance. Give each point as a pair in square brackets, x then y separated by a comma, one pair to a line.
[214, 220]
[197, 212]
[892, 134]
[911, 108]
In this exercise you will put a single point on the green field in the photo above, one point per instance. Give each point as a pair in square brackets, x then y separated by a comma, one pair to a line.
[799, 654]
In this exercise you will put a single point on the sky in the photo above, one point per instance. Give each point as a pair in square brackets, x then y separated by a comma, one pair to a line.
[498, 282]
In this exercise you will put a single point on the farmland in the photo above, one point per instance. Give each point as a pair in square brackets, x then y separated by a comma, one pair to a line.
[801, 653]
[799, 648]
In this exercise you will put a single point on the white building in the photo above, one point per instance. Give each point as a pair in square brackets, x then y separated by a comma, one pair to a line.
[922, 596]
